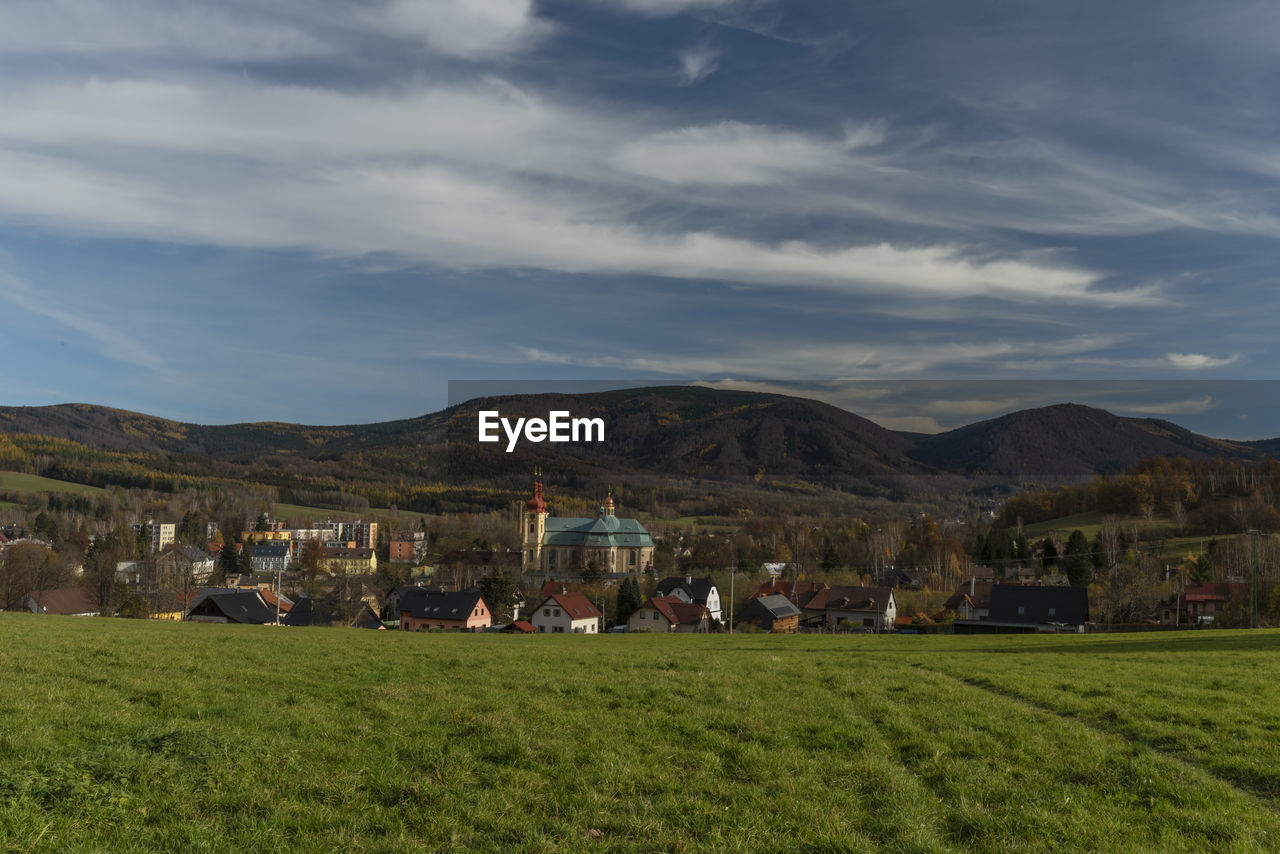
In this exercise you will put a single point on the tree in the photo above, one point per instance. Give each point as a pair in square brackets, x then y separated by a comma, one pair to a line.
[499, 591]
[228, 562]
[1077, 564]
[246, 559]
[1200, 568]
[262, 523]
[1049, 557]
[629, 598]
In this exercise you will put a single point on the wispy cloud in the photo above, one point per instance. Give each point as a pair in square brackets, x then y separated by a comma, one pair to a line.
[1172, 407]
[1199, 361]
[697, 62]
[114, 343]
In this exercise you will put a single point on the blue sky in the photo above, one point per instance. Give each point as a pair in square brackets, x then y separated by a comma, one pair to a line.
[322, 211]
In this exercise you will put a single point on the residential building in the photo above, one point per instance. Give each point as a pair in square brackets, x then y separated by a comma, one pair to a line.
[566, 613]
[405, 545]
[773, 613]
[972, 601]
[270, 556]
[221, 605]
[1206, 602]
[670, 614]
[66, 601]
[423, 608]
[1025, 608]
[867, 609]
[343, 560]
[701, 591]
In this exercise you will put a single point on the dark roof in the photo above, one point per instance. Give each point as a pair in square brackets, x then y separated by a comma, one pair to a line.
[366, 619]
[65, 600]
[301, 612]
[699, 589]
[1069, 605]
[797, 591]
[850, 599]
[423, 603]
[240, 606]
[775, 604]
[272, 549]
[980, 598]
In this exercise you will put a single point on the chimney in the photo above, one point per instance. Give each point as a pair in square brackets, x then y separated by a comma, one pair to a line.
[688, 579]
[972, 583]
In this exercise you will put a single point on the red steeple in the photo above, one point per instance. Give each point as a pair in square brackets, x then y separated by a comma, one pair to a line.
[536, 504]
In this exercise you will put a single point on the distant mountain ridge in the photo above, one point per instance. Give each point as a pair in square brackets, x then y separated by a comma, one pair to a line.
[674, 431]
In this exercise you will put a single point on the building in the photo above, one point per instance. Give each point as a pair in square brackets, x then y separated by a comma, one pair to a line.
[972, 601]
[1206, 602]
[405, 546]
[221, 605]
[1021, 609]
[700, 591]
[271, 556]
[773, 613]
[566, 613]
[182, 566]
[797, 592]
[670, 614]
[345, 560]
[162, 533]
[67, 601]
[422, 608]
[867, 609]
[567, 545]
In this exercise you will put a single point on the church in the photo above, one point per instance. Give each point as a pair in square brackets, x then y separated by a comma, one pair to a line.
[567, 544]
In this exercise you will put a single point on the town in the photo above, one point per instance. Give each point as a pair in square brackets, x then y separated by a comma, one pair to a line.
[532, 572]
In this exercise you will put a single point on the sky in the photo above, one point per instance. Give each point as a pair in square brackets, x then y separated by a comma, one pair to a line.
[323, 212]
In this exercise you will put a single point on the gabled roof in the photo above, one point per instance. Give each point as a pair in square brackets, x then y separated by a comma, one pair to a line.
[850, 599]
[424, 603]
[799, 592]
[239, 606]
[272, 548]
[699, 589]
[520, 627]
[576, 605]
[980, 598]
[366, 619]
[662, 604]
[64, 600]
[778, 606]
[1070, 605]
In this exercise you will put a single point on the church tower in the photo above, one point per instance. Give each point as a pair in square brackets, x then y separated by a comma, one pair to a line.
[533, 525]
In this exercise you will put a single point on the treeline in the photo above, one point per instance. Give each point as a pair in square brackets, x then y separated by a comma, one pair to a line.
[1202, 497]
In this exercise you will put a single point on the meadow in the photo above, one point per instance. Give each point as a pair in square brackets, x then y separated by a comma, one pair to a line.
[122, 735]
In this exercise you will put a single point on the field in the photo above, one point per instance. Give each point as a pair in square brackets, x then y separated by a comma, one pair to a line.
[13, 481]
[126, 735]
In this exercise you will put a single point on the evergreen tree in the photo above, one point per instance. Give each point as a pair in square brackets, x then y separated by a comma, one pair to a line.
[1098, 552]
[499, 591]
[629, 598]
[228, 562]
[1049, 556]
[1078, 567]
[245, 562]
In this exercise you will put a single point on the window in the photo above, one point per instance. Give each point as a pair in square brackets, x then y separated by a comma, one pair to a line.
[868, 622]
[1053, 611]
[1021, 610]
[557, 612]
[546, 612]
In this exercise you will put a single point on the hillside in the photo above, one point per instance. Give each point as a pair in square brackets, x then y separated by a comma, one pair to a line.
[752, 444]
[1067, 441]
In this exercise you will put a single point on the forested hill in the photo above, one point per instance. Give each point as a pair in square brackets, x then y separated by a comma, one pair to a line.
[756, 441]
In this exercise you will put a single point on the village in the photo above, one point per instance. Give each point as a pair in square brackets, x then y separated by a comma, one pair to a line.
[569, 575]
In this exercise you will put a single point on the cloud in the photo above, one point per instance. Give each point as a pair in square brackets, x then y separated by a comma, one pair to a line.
[663, 8]
[698, 62]
[286, 29]
[115, 344]
[734, 153]
[1173, 407]
[1198, 361]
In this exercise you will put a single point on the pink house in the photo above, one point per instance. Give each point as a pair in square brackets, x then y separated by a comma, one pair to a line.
[422, 608]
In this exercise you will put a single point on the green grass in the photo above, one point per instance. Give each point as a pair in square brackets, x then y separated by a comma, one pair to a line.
[124, 735]
[19, 482]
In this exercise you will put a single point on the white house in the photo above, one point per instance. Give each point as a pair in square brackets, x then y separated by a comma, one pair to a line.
[566, 613]
[699, 591]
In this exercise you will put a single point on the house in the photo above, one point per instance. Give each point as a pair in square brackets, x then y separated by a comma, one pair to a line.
[867, 609]
[972, 601]
[271, 557]
[700, 591]
[519, 627]
[366, 619]
[391, 603]
[670, 614]
[1022, 608]
[219, 605]
[566, 613]
[1204, 603]
[181, 565]
[423, 608]
[405, 545]
[773, 613]
[67, 601]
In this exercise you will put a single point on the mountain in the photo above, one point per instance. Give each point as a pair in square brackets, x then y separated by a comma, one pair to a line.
[655, 437]
[1066, 441]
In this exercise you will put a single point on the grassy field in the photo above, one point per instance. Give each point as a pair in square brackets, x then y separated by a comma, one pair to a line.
[124, 735]
[19, 482]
